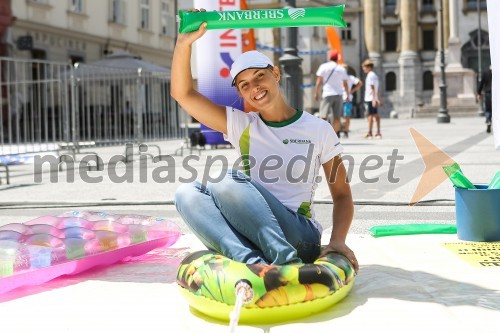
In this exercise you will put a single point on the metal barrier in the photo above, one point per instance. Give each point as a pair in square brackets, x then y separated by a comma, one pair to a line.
[48, 106]
[34, 113]
[115, 105]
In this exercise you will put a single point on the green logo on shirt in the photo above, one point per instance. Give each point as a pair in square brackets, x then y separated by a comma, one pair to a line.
[297, 141]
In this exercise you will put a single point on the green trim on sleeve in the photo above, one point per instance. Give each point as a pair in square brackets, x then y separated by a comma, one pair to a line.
[305, 209]
[245, 149]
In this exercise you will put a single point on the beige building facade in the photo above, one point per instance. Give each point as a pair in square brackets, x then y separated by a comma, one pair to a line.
[402, 37]
[88, 30]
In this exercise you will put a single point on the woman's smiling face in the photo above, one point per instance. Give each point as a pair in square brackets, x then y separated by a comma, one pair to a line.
[258, 86]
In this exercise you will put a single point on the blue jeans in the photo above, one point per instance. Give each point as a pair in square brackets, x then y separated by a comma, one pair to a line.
[240, 219]
[488, 107]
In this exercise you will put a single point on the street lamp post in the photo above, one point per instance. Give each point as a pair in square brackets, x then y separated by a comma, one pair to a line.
[479, 54]
[291, 65]
[443, 116]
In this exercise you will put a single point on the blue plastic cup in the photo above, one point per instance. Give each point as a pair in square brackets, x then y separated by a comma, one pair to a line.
[478, 213]
[40, 256]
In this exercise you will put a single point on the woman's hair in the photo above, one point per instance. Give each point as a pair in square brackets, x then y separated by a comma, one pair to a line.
[368, 63]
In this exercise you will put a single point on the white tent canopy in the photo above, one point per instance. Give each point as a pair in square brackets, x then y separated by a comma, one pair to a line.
[118, 63]
[125, 60]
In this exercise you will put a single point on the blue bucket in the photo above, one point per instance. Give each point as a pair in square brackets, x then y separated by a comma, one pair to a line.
[478, 214]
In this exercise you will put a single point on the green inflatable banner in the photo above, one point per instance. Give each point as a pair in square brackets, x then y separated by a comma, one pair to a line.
[262, 18]
[412, 229]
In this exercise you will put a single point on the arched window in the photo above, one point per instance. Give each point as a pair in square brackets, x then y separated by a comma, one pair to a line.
[390, 81]
[427, 6]
[472, 4]
[470, 50]
[428, 81]
[390, 7]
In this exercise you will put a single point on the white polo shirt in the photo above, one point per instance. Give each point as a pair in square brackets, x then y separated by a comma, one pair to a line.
[285, 157]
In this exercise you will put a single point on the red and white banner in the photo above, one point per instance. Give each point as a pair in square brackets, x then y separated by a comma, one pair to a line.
[248, 44]
[215, 53]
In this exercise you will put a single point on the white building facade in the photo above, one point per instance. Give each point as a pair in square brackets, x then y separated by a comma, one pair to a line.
[402, 37]
[88, 30]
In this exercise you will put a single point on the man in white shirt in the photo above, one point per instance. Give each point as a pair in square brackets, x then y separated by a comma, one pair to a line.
[333, 78]
[372, 98]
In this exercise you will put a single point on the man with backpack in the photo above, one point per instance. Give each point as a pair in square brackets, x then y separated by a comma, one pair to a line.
[333, 78]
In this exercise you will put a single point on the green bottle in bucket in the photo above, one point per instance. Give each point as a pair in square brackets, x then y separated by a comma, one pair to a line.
[457, 177]
[495, 182]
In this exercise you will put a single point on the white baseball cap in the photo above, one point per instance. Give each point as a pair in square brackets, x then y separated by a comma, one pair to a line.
[249, 59]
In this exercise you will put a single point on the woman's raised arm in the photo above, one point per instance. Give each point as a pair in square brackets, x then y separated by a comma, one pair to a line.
[198, 106]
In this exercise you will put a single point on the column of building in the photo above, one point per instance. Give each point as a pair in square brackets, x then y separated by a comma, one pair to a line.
[453, 42]
[410, 73]
[372, 30]
[446, 23]
[446, 30]
[460, 81]
[461, 96]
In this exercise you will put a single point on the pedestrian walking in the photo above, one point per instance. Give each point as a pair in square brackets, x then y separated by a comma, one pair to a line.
[372, 99]
[333, 79]
[484, 87]
[354, 84]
